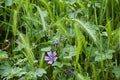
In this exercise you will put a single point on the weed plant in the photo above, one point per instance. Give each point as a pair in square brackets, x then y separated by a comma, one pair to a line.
[59, 40]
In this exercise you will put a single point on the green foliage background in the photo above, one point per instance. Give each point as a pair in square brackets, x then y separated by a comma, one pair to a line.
[88, 32]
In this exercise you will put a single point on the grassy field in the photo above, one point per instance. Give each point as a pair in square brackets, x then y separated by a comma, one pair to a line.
[59, 40]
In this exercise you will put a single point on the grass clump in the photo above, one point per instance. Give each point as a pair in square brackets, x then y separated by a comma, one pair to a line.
[78, 38]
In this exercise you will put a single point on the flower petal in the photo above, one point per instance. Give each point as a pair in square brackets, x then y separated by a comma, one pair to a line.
[47, 58]
[50, 54]
[55, 59]
[54, 54]
[50, 62]
[69, 72]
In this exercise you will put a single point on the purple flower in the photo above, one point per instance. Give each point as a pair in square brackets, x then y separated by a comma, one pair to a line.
[69, 72]
[51, 57]
[57, 42]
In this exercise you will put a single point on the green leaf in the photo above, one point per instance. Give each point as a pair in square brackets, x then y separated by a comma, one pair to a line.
[56, 71]
[40, 72]
[68, 52]
[42, 15]
[9, 2]
[14, 72]
[116, 71]
[108, 54]
[58, 64]
[46, 49]
[29, 76]
[87, 29]
[5, 69]
[19, 47]
[9, 72]
[21, 61]
[80, 77]
[3, 54]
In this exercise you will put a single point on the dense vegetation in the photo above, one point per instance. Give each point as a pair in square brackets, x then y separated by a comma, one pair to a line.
[59, 40]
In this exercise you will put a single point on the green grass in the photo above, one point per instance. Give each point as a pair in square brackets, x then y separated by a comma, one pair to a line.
[84, 33]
